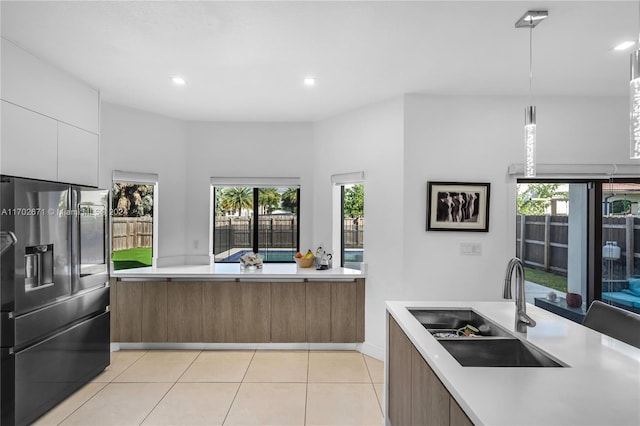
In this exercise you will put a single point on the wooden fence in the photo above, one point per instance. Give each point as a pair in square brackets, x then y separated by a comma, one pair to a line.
[273, 231]
[353, 232]
[237, 232]
[131, 232]
[545, 243]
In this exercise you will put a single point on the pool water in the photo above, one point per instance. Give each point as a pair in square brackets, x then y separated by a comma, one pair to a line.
[267, 256]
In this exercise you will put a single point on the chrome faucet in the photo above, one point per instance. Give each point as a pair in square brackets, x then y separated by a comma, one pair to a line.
[522, 319]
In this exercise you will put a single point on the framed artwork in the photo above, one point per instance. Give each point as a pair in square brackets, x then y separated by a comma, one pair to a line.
[458, 206]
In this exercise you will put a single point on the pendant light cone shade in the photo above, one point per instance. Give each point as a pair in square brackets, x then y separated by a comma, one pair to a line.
[530, 141]
[634, 106]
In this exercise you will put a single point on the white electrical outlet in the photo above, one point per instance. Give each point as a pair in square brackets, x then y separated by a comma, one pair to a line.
[196, 244]
[470, 249]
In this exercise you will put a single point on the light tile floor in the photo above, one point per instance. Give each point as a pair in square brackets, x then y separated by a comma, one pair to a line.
[228, 388]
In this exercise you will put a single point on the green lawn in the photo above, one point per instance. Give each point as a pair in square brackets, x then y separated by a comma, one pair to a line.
[547, 279]
[131, 258]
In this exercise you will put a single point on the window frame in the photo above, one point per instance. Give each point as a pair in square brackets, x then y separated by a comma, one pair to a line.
[594, 218]
[339, 181]
[136, 178]
[254, 184]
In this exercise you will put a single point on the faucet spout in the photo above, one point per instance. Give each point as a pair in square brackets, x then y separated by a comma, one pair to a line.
[522, 319]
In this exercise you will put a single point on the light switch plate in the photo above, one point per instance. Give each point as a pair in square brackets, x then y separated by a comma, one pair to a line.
[470, 249]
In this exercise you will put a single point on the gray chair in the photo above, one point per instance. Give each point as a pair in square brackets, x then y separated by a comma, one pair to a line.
[615, 322]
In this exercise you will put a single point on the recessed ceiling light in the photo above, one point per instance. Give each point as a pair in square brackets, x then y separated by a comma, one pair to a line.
[178, 81]
[309, 81]
[624, 45]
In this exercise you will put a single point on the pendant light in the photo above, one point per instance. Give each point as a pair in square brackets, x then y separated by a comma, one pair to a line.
[634, 105]
[530, 20]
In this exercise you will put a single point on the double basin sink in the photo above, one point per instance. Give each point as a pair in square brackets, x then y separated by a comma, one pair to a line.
[489, 346]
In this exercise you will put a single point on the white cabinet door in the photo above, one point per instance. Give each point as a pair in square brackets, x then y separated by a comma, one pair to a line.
[77, 155]
[34, 84]
[29, 144]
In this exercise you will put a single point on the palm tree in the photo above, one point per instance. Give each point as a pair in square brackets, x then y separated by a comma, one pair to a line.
[290, 200]
[268, 199]
[237, 198]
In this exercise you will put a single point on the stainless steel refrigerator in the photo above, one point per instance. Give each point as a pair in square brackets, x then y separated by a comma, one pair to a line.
[54, 294]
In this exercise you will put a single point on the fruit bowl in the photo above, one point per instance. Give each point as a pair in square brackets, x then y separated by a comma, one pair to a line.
[304, 263]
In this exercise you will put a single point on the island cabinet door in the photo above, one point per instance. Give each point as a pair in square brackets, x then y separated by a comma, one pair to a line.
[253, 311]
[318, 312]
[218, 320]
[343, 312]
[399, 383]
[237, 312]
[429, 398]
[129, 311]
[184, 308]
[288, 312]
[154, 311]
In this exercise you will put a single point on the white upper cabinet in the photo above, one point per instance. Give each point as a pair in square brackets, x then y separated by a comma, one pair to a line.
[77, 155]
[29, 144]
[33, 84]
[50, 121]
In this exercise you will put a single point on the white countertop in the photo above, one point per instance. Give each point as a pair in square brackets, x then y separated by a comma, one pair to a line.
[600, 387]
[222, 271]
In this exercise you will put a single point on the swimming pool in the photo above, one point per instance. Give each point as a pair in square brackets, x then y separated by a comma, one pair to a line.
[282, 256]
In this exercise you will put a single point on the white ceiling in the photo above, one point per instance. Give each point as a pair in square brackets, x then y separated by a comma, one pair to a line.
[245, 61]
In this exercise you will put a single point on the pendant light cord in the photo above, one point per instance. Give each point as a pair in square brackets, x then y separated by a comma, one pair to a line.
[530, 62]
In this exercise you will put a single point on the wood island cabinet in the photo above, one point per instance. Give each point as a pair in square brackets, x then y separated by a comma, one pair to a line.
[318, 312]
[288, 312]
[238, 312]
[184, 309]
[128, 307]
[154, 311]
[416, 395]
[399, 394]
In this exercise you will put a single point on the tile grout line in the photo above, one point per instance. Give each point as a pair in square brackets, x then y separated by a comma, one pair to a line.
[239, 386]
[79, 406]
[128, 367]
[306, 387]
[93, 396]
[168, 390]
[373, 385]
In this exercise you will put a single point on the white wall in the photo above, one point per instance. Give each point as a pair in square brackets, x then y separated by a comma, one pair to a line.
[403, 143]
[470, 139]
[400, 144]
[370, 140]
[137, 141]
[244, 150]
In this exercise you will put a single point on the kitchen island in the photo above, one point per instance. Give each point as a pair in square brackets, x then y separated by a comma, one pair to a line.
[600, 384]
[224, 306]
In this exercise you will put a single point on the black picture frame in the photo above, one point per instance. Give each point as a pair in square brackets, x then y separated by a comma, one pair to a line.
[458, 206]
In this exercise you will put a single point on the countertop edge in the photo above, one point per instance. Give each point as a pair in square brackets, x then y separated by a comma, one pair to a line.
[233, 272]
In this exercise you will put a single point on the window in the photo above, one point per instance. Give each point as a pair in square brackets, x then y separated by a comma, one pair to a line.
[580, 237]
[348, 219]
[261, 217]
[621, 244]
[352, 235]
[133, 225]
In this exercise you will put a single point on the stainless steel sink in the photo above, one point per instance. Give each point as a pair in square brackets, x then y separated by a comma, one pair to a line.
[493, 346]
[497, 353]
[451, 320]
